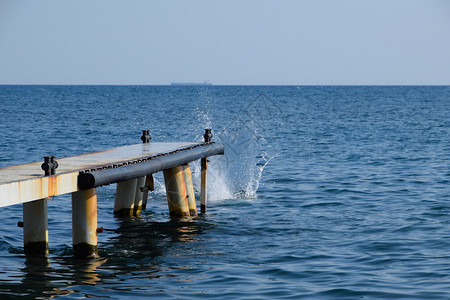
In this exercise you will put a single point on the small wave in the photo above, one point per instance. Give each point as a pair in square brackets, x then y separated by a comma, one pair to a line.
[4, 245]
[342, 191]
[322, 204]
[342, 293]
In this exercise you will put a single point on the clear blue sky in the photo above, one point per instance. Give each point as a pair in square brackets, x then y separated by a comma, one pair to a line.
[226, 42]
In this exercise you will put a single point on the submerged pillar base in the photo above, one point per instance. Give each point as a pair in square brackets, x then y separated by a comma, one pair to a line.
[85, 250]
[33, 248]
[124, 212]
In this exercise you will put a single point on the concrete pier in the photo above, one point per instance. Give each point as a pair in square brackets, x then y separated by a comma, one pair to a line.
[131, 167]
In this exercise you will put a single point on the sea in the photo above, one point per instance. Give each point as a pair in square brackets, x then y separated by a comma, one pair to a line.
[324, 192]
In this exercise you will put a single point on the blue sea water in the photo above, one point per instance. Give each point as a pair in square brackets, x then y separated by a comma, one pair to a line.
[325, 192]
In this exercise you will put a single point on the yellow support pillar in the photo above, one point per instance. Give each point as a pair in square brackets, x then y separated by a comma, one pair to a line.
[149, 186]
[125, 195]
[203, 196]
[139, 196]
[204, 167]
[176, 192]
[35, 227]
[189, 190]
[84, 223]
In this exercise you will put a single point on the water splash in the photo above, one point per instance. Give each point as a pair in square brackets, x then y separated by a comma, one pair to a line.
[203, 114]
[240, 171]
[218, 187]
[237, 174]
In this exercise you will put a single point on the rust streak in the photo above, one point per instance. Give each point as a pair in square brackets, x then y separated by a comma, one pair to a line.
[51, 186]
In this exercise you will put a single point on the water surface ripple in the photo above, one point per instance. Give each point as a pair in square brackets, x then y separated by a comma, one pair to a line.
[325, 193]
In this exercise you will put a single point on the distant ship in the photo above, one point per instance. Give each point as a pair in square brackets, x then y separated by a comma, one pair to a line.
[192, 83]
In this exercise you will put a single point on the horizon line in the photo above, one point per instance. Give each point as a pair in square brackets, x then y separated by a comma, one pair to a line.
[211, 85]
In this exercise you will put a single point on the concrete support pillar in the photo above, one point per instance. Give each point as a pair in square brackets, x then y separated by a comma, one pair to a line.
[203, 197]
[125, 195]
[35, 227]
[139, 196]
[189, 190]
[149, 186]
[176, 192]
[84, 223]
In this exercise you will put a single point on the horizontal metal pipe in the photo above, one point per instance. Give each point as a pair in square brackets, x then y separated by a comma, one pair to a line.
[94, 179]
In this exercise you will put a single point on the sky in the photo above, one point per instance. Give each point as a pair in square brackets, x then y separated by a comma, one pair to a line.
[245, 42]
